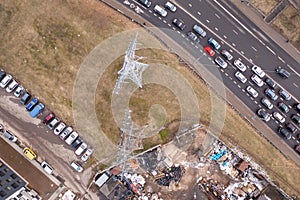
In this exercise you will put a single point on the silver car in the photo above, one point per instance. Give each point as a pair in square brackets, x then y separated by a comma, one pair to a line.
[266, 102]
[240, 76]
[252, 91]
[221, 62]
[66, 133]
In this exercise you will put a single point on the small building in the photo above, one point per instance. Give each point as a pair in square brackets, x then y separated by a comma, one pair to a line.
[101, 180]
[242, 166]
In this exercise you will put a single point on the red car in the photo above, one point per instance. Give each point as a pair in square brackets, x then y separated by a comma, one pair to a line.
[209, 51]
[48, 118]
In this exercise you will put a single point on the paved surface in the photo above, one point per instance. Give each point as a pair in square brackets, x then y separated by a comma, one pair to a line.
[256, 47]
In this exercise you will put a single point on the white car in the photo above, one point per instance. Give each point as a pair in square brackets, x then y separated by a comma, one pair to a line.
[227, 55]
[279, 117]
[71, 138]
[257, 70]
[19, 91]
[5, 80]
[75, 165]
[266, 102]
[47, 167]
[241, 66]
[252, 91]
[170, 6]
[59, 128]
[80, 149]
[257, 80]
[65, 133]
[12, 86]
[86, 155]
[221, 62]
[162, 12]
[241, 77]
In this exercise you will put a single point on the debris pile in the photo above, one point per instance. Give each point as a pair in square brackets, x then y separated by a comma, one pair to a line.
[172, 174]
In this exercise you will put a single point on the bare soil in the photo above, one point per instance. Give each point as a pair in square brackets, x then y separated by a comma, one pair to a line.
[265, 6]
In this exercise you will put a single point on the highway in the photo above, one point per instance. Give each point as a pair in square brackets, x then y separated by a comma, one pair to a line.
[245, 41]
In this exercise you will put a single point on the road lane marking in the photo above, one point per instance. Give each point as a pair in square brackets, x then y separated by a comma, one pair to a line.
[207, 21]
[229, 77]
[169, 25]
[159, 18]
[216, 29]
[196, 47]
[242, 52]
[259, 105]
[261, 42]
[273, 52]
[233, 44]
[217, 16]
[226, 74]
[234, 82]
[225, 36]
[165, 21]
[199, 13]
[243, 90]
[255, 102]
[254, 48]
[190, 5]
[222, 70]
[155, 14]
[281, 59]
[239, 86]
[150, 11]
[173, 28]
[235, 32]
[295, 85]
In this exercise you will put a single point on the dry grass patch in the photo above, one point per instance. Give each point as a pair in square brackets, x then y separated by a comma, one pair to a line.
[265, 6]
[288, 24]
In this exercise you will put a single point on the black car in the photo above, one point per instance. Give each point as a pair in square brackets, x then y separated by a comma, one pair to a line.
[146, 3]
[193, 37]
[283, 107]
[285, 133]
[2, 74]
[296, 119]
[77, 142]
[179, 23]
[291, 127]
[263, 114]
[271, 83]
[25, 98]
[283, 72]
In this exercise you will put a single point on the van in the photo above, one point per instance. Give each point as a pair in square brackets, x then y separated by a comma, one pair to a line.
[25, 98]
[48, 169]
[283, 73]
[71, 138]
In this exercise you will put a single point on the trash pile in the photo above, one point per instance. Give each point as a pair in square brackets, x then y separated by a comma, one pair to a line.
[172, 174]
[136, 182]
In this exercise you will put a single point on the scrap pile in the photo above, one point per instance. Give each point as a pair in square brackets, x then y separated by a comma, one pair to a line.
[172, 174]
[135, 181]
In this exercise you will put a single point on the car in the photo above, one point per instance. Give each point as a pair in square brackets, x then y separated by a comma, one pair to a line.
[209, 51]
[297, 107]
[258, 71]
[71, 138]
[81, 149]
[257, 80]
[291, 128]
[221, 62]
[59, 128]
[263, 115]
[25, 98]
[146, 3]
[285, 95]
[76, 143]
[178, 23]
[266, 102]
[271, 93]
[75, 165]
[65, 133]
[278, 117]
[226, 55]
[271, 83]
[31, 104]
[296, 119]
[4, 82]
[11, 137]
[1, 128]
[199, 30]
[212, 42]
[193, 37]
[284, 132]
[170, 6]
[29, 153]
[283, 72]
[252, 91]
[48, 118]
[2, 74]
[37, 110]
[297, 148]
[19, 91]
[240, 76]
[158, 9]
[283, 107]
[54, 122]
[47, 168]
[240, 65]
[12, 86]
[87, 154]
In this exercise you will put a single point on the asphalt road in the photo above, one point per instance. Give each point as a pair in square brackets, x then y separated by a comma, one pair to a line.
[245, 41]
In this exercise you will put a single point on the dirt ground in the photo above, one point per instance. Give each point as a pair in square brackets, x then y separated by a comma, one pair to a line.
[265, 6]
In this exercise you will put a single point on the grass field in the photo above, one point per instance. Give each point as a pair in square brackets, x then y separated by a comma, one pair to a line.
[44, 42]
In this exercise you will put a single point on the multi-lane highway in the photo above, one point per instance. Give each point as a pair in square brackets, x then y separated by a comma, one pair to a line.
[237, 34]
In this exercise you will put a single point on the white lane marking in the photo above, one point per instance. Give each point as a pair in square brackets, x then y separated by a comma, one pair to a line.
[225, 36]
[254, 48]
[226, 74]
[235, 32]
[273, 52]
[155, 14]
[196, 47]
[293, 70]
[233, 44]
[173, 28]
[190, 5]
[217, 16]
[169, 25]
[165, 21]
[229, 77]
[242, 52]
[259, 105]
[255, 102]
[209, 58]
[150, 11]
[182, 35]
[231, 50]
[159, 18]
[239, 86]
[234, 82]
[222, 70]
[199, 13]
[281, 59]
[295, 85]
[261, 42]
[178, 32]
[216, 29]
[207, 21]
[243, 90]
[201, 50]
